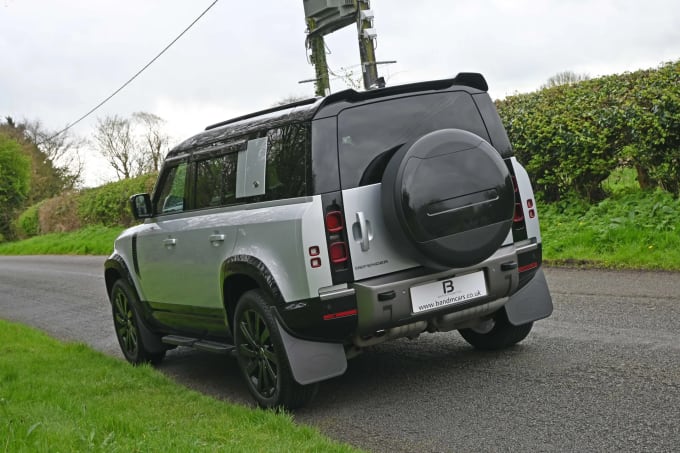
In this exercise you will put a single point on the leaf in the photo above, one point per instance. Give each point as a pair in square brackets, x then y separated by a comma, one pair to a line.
[32, 428]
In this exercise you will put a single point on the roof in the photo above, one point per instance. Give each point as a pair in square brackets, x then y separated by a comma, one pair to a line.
[309, 108]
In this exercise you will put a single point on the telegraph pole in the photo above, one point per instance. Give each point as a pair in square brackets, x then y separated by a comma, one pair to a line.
[317, 56]
[326, 16]
[367, 35]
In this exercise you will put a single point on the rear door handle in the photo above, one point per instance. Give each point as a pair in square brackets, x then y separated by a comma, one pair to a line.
[170, 242]
[216, 239]
[362, 231]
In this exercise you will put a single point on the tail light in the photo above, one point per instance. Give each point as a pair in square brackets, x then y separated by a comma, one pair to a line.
[338, 252]
[334, 222]
[337, 239]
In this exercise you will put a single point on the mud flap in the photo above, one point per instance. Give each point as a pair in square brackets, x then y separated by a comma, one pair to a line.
[313, 361]
[531, 303]
[152, 343]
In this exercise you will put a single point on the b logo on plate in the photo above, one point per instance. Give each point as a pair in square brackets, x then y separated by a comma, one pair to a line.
[447, 286]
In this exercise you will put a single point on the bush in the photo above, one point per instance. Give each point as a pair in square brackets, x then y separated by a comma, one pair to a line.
[60, 214]
[28, 223]
[109, 205]
[571, 137]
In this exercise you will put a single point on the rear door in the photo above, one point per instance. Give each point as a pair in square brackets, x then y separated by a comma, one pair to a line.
[368, 136]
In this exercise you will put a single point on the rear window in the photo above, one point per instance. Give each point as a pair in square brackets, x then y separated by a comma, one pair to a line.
[368, 135]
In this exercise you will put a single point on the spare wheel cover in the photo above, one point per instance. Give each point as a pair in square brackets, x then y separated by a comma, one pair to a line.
[448, 197]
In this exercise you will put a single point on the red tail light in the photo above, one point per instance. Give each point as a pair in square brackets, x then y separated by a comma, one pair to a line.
[519, 213]
[334, 222]
[338, 252]
[337, 242]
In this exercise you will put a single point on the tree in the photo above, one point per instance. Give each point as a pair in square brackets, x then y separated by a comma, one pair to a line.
[565, 78]
[290, 99]
[132, 146]
[63, 150]
[153, 140]
[55, 161]
[15, 176]
[114, 140]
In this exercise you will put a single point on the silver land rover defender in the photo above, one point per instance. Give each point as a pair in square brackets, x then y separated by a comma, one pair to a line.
[294, 237]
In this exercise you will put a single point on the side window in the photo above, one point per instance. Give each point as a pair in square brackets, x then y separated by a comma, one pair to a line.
[287, 159]
[172, 195]
[216, 181]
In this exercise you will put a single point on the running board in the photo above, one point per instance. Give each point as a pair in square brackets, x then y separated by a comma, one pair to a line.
[202, 345]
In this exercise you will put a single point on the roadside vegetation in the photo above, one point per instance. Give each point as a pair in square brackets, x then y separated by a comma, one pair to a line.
[93, 240]
[603, 155]
[66, 397]
[632, 229]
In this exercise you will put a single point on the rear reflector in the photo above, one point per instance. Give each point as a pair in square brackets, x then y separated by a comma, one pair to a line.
[342, 314]
[314, 250]
[528, 267]
[338, 252]
[315, 262]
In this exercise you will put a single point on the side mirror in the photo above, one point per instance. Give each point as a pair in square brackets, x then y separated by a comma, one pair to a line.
[141, 206]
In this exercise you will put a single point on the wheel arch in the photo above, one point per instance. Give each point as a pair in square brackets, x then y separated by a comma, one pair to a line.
[241, 273]
[115, 268]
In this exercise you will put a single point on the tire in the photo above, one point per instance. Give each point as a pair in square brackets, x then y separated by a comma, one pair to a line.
[449, 197]
[262, 358]
[129, 329]
[498, 334]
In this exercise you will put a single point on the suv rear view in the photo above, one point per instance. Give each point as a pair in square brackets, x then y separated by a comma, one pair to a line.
[294, 237]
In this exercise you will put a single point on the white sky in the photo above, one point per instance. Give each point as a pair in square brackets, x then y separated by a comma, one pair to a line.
[58, 59]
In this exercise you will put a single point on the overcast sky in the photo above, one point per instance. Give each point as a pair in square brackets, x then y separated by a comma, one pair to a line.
[58, 59]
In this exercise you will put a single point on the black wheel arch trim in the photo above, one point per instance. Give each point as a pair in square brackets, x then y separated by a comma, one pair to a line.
[252, 267]
[117, 263]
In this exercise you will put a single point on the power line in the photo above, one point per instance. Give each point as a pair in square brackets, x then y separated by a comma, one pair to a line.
[133, 77]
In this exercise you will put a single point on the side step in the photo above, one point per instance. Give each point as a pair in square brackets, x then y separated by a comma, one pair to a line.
[202, 345]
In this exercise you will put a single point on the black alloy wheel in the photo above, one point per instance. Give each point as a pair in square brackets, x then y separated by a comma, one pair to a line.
[260, 363]
[262, 357]
[127, 325]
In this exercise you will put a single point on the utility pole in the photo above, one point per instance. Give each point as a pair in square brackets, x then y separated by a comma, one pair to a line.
[367, 35]
[317, 56]
[326, 16]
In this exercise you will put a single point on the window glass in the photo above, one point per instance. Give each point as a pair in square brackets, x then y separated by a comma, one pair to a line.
[171, 198]
[216, 181]
[287, 149]
[368, 135]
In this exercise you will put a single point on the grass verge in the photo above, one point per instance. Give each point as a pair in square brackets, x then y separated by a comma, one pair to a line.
[632, 229]
[94, 240]
[66, 397]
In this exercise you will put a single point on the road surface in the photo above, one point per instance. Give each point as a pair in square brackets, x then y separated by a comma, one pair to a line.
[602, 374]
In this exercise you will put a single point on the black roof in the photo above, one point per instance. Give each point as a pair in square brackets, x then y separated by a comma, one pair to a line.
[315, 107]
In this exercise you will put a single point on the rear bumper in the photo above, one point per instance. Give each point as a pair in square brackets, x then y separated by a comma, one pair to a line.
[385, 302]
[367, 307]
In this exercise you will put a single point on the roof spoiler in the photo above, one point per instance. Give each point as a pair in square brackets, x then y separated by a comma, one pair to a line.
[471, 79]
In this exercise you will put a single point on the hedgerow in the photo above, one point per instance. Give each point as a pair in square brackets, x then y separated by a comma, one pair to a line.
[571, 137]
[107, 205]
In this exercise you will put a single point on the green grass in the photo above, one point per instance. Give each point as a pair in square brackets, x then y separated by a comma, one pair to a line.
[633, 229]
[94, 240]
[57, 397]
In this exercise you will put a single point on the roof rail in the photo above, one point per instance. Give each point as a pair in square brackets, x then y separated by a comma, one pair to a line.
[263, 112]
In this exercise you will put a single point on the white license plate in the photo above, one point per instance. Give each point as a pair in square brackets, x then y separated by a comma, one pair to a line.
[447, 292]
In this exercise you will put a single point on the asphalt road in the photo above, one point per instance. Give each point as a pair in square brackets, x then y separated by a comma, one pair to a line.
[602, 374]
